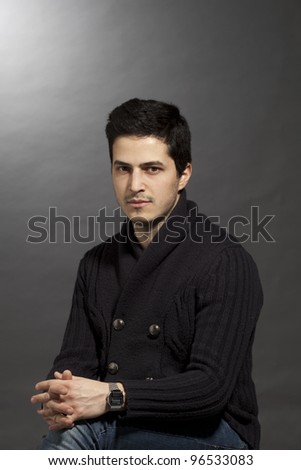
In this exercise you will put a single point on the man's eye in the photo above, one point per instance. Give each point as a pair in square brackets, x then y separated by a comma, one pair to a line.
[153, 170]
[122, 169]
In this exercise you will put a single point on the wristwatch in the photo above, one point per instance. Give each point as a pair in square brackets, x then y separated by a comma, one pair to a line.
[115, 398]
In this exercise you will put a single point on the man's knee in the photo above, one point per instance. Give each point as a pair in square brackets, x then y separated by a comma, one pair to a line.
[85, 435]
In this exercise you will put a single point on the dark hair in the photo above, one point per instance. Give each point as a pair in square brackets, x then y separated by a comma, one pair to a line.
[144, 118]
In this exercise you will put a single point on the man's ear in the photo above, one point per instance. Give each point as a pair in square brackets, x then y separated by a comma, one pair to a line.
[185, 176]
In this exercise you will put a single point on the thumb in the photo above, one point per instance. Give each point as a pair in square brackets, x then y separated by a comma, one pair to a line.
[67, 375]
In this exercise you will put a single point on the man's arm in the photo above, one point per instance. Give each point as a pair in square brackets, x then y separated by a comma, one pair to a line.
[79, 351]
[79, 354]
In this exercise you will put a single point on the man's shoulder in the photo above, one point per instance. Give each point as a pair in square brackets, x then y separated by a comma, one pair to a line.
[211, 243]
[209, 235]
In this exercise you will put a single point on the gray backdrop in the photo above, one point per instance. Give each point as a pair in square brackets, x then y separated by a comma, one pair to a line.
[233, 67]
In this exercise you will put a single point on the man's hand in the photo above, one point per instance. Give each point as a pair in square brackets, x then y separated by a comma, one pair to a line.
[55, 419]
[68, 398]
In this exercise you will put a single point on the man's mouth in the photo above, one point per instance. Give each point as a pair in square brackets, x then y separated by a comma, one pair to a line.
[138, 202]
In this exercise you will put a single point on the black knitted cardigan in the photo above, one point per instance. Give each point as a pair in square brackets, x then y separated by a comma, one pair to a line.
[202, 291]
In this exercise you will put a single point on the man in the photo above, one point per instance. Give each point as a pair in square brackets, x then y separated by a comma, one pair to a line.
[157, 350]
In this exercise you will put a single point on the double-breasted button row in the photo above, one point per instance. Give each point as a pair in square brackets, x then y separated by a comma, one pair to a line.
[153, 330]
[119, 324]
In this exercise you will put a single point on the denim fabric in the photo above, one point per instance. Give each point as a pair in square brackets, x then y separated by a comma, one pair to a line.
[111, 433]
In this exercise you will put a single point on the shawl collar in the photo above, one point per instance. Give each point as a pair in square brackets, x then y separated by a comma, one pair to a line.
[131, 267]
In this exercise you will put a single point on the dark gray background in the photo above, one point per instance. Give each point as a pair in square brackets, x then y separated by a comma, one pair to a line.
[233, 67]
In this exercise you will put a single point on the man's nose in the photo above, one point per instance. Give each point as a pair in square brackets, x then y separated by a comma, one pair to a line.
[136, 181]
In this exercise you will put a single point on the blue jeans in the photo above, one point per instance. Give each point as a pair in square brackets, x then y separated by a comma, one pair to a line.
[113, 433]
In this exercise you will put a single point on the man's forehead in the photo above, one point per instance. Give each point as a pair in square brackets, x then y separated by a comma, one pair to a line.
[136, 140]
[143, 149]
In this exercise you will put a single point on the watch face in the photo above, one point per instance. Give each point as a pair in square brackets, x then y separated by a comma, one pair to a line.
[116, 398]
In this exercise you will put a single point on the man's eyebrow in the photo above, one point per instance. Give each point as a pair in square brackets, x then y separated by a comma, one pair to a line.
[152, 163]
[119, 162]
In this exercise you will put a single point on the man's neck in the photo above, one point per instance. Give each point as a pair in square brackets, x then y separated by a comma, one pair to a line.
[145, 233]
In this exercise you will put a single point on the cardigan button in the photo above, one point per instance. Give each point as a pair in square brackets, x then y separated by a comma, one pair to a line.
[118, 324]
[113, 368]
[154, 331]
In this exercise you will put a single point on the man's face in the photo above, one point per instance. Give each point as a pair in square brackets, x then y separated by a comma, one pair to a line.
[145, 179]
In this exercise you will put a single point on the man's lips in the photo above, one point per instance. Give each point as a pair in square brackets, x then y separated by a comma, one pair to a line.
[138, 202]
